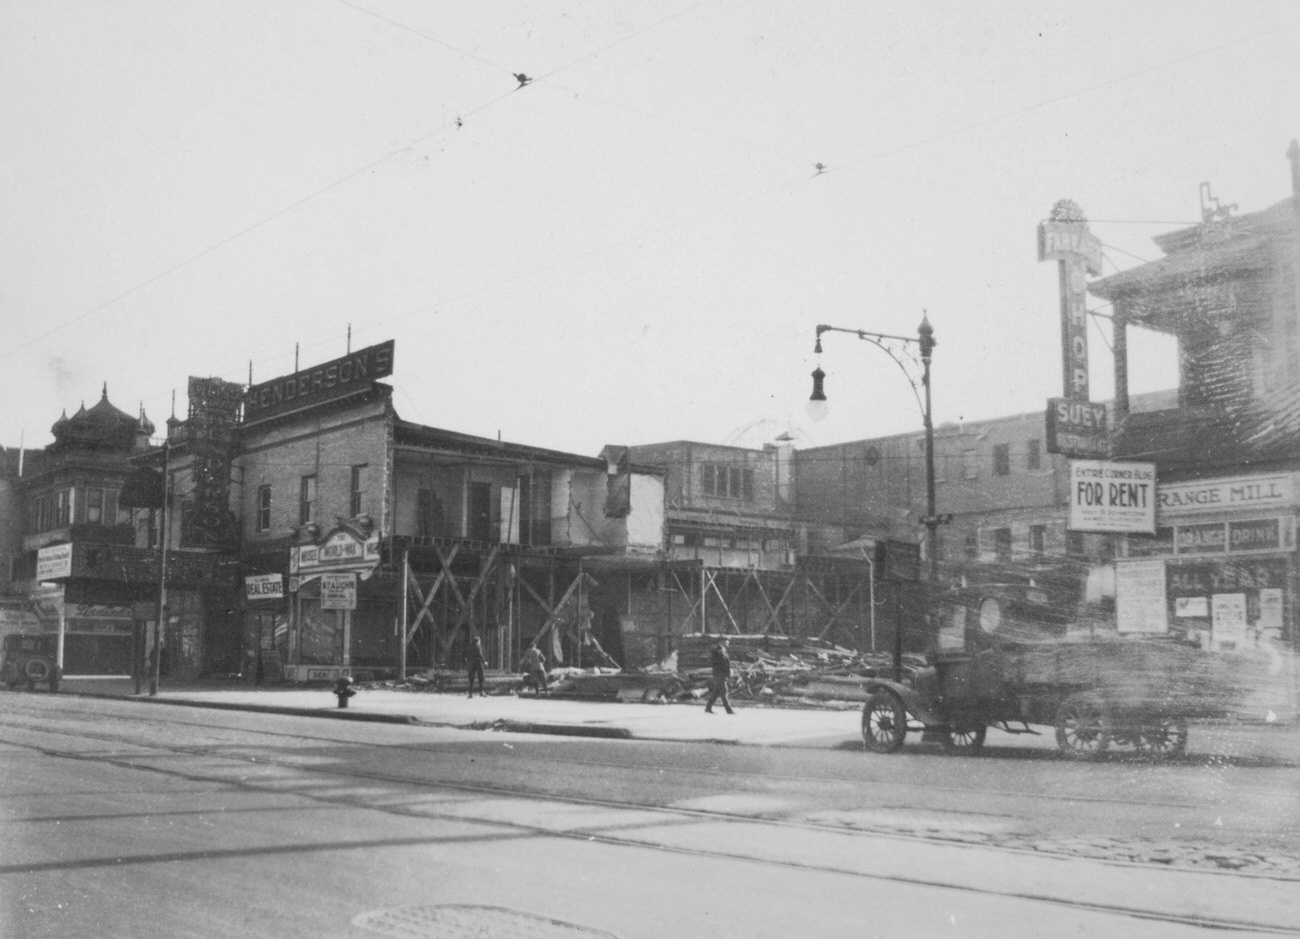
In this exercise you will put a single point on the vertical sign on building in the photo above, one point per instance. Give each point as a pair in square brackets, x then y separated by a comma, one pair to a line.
[1065, 238]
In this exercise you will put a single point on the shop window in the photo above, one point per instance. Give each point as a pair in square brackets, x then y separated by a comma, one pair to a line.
[357, 489]
[1034, 455]
[263, 508]
[1002, 459]
[306, 499]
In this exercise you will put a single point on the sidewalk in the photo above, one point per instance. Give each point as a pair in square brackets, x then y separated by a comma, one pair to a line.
[751, 725]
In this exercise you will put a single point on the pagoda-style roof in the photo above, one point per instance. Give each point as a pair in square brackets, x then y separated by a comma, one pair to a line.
[101, 428]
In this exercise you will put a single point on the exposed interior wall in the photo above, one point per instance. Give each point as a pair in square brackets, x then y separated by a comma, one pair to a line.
[645, 524]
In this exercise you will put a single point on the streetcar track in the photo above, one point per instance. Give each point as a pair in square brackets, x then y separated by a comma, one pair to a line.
[911, 785]
[139, 761]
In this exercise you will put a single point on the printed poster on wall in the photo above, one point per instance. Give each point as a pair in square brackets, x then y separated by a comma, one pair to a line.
[1140, 605]
[1228, 620]
[338, 591]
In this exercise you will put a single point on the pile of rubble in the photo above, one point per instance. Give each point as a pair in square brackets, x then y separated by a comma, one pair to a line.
[787, 670]
[775, 669]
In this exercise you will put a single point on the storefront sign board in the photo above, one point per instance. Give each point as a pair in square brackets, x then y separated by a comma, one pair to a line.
[1271, 492]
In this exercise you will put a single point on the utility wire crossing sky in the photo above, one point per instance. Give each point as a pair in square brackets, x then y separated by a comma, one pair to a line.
[591, 223]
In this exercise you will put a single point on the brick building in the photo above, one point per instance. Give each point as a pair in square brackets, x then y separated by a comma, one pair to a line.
[382, 527]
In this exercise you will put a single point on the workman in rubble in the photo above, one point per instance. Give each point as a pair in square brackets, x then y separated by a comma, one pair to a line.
[720, 662]
[535, 669]
[476, 661]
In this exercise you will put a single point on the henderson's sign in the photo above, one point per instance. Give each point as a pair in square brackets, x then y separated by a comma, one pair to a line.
[352, 372]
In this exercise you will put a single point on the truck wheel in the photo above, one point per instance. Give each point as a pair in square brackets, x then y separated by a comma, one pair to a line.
[1083, 726]
[884, 722]
[1165, 738]
[964, 739]
[37, 670]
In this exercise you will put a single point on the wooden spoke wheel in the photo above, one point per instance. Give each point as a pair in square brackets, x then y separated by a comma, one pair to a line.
[1084, 726]
[964, 739]
[1165, 737]
[884, 722]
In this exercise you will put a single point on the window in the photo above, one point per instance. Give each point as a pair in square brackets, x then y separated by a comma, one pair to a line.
[728, 482]
[95, 506]
[62, 507]
[306, 500]
[263, 508]
[1034, 455]
[1037, 538]
[480, 511]
[1074, 543]
[358, 492]
[1002, 544]
[970, 467]
[972, 546]
[1002, 459]
[428, 514]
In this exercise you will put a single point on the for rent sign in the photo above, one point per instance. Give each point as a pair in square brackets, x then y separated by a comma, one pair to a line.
[1118, 497]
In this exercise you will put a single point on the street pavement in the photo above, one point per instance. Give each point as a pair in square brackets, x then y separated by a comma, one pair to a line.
[827, 727]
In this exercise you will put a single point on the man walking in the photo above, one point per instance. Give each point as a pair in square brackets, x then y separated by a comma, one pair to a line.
[475, 660]
[721, 665]
[535, 667]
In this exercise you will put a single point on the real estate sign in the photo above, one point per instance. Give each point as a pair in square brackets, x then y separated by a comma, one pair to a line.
[54, 562]
[264, 587]
[1112, 497]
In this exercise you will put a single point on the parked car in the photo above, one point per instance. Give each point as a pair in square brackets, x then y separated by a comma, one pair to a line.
[26, 659]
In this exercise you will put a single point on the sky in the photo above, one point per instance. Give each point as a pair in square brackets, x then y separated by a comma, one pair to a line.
[635, 245]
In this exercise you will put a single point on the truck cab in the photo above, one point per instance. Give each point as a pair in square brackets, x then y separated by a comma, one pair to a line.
[29, 660]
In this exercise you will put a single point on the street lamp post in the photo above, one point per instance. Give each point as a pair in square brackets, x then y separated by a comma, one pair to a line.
[917, 350]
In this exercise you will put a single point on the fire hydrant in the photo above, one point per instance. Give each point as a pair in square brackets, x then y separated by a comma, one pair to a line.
[343, 690]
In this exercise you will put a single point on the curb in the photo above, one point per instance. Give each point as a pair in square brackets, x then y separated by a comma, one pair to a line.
[563, 730]
[342, 714]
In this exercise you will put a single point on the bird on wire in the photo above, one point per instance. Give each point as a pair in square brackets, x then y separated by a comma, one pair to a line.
[522, 79]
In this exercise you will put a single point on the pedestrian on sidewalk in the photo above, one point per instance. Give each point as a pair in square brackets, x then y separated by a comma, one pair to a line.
[476, 661]
[535, 668]
[721, 665]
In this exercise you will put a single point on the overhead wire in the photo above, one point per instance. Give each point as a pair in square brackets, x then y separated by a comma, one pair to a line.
[717, 209]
